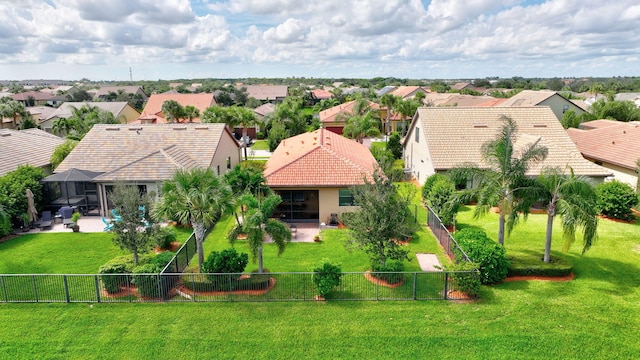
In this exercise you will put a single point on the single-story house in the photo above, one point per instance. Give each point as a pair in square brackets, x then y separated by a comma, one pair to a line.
[408, 92]
[318, 95]
[26, 147]
[312, 172]
[152, 112]
[558, 103]
[335, 118]
[454, 99]
[103, 92]
[442, 138]
[39, 98]
[147, 155]
[612, 144]
[121, 110]
[267, 93]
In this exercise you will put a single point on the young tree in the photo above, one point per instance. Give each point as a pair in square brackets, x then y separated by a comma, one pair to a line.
[382, 218]
[574, 199]
[258, 223]
[173, 111]
[191, 112]
[196, 196]
[134, 229]
[503, 183]
[358, 127]
[394, 145]
[61, 152]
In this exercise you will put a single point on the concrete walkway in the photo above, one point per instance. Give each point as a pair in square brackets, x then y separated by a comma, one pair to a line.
[428, 262]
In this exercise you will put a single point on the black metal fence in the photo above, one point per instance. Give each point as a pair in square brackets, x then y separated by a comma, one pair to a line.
[444, 237]
[47, 288]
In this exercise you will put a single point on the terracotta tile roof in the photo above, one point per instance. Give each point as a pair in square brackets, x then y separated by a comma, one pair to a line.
[33, 147]
[406, 91]
[329, 115]
[153, 107]
[319, 158]
[36, 95]
[454, 136]
[609, 141]
[267, 92]
[452, 99]
[145, 152]
[321, 94]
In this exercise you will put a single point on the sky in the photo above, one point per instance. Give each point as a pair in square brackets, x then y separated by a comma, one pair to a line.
[437, 39]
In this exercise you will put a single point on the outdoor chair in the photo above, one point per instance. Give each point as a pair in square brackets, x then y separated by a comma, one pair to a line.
[46, 220]
[115, 215]
[66, 213]
[108, 225]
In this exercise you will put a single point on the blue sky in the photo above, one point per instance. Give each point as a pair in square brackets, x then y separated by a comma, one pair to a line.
[438, 39]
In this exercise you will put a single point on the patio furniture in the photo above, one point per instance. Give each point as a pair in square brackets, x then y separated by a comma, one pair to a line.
[108, 225]
[115, 215]
[45, 220]
[66, 212]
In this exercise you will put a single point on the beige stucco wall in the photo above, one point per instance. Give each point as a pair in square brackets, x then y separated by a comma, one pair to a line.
[329, 203]
[556, 103]
[227, 148]
[621, 174]
[128, 114]
[416, 154]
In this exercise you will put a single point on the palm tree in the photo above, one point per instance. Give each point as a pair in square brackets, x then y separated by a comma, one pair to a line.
[172, 110]
[14, 110]
[573, 198]
[191, 112]
[258, 223]
[62, 126]
[406, 109]
[244, 117]
[358, 127]
[196, 196]
[389, 101]
[504, 183]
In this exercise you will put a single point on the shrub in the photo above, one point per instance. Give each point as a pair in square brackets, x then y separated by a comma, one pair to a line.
[161, 260]
[388, 272]
[257, 281]
[326, 276]
[227, 261]
[394, 145]
[440, 199]
[5, 223]
[146, 279]
[163, 237]
[615, 200]
[346, 217]
[490, 256]
[465, 278]
[428, 184]
[112, 283]
[397, 171]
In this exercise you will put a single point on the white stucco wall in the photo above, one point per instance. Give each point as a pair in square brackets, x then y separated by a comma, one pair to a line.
[416, 154]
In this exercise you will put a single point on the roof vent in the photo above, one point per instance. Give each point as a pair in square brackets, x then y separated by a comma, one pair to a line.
[112, 129]
[135, 128]
[7, 134]
[202, 128]
[180, 128]
[539, 125]
[480, 126]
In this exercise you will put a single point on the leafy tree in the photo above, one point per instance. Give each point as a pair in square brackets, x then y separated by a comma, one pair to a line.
[277, 133]
[196, 196]
[62, 126]
[79, 96]
[389, 101]
[406, 109]
[574, 199]
[28, 123]
[570, 120]
[173, 111]
[13, 186]
[258, 223]
[615, 200]
[617, 110]
[61, 152]
[359, 127]
[5, 222]
[394, 145]
[82, 120]
[440, 199]
[325, 104]
[326, 276]
[382, 218]
[134, 230]
[218, 114]
[503, 183]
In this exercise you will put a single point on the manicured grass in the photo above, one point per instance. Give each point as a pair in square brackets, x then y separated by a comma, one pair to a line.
[260, 145]
[57, 253]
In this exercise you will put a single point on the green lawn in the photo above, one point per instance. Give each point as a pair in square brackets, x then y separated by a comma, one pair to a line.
[260, 145]
[594, 316]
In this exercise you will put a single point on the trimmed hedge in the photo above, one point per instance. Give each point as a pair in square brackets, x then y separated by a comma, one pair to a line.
[535, 267]
[146, 279]
[386, 272]
[490, 256]
[615, 200]
[326, 276]
[468, 282]
[120, 265]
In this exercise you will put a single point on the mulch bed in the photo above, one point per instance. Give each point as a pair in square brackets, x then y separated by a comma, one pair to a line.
[175, 245]
[8, 237]
[459, 296]
[544, 278]
[272, 283]
[381, 282]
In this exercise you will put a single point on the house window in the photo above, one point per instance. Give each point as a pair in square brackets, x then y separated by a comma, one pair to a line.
[417, 134]
[345, 198]
[229, 163]
[565, 108]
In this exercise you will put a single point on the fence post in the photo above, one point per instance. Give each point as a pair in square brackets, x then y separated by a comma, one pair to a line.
[160, 292]
[66, 287]
[415, 286]
[446, 285]
[4, 289]
[97, 282]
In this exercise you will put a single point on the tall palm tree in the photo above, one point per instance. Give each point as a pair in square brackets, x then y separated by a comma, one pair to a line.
[360, 126]
[196, 196]
[61, 126]
[172, 110]
[406, 109]
[573, 198]
[503, 183]
[258, 223]
[14, 110]
[244, 117]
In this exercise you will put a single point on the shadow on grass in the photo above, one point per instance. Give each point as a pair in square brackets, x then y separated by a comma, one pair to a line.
[623, 276]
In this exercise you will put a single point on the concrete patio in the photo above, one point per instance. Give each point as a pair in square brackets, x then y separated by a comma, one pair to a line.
[86, 223]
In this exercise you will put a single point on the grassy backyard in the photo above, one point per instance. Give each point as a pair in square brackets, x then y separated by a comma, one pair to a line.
[596, 315]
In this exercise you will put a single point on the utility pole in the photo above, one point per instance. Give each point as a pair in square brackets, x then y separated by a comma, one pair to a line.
[130, 74]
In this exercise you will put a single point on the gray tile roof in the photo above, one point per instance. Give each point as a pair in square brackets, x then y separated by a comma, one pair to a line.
[145, 152]
[455, 135]
[66, 109]
[33, 147]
